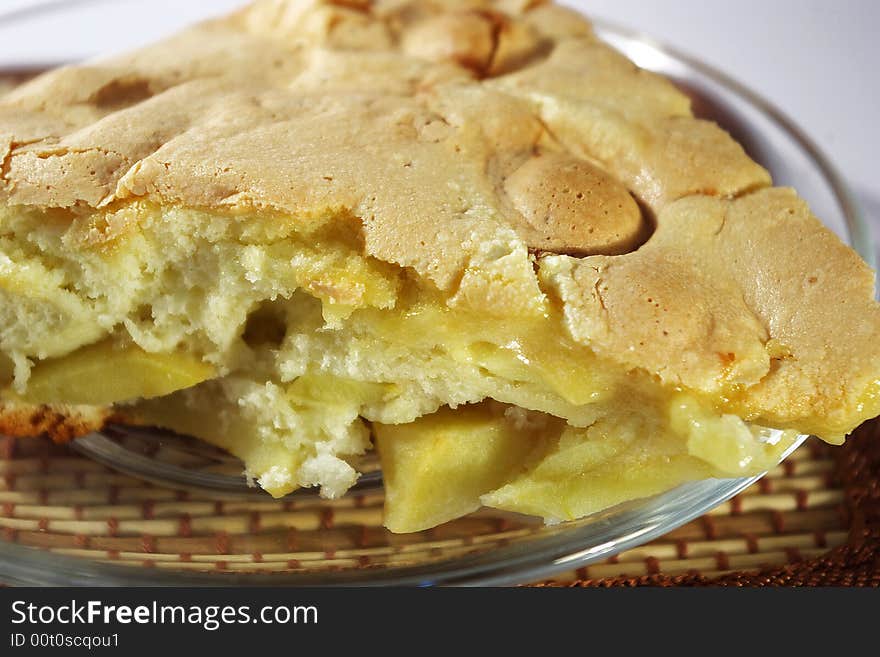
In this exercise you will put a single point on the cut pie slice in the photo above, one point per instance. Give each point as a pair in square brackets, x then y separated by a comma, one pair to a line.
[467, 233]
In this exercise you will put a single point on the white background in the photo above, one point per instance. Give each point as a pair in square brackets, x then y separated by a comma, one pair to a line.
[817, 60]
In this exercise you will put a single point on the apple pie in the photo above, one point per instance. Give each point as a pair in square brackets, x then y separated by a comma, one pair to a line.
[467, 234]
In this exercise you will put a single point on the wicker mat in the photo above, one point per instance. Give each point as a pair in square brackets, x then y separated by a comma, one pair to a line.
[814, 520]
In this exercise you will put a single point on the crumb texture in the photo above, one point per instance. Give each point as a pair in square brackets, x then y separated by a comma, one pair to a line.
[449, 106]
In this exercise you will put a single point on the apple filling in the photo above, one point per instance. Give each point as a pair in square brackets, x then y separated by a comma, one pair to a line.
[287, 346]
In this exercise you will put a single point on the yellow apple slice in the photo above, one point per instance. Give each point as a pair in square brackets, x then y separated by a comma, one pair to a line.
[622, 458]
[325, 389]
[102, 374]
[591, 469]
[220, 422]
[726, 442]
[437, 467]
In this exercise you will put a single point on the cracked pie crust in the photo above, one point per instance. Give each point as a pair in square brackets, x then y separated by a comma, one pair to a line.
[466, 234]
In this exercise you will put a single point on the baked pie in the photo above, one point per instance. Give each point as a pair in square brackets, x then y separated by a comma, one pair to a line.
[468, 234]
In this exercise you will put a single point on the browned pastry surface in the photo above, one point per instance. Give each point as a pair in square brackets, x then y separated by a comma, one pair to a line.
[60, 422]
[452, 134]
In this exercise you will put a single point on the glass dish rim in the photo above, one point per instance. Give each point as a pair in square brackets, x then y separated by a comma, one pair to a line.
[535, 559]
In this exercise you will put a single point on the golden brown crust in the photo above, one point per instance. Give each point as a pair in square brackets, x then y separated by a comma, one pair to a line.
[59, 422]
[571, 206]
[741, 298]
[410, 91]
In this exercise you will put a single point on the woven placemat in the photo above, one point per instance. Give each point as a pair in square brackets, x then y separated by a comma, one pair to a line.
[815, 519]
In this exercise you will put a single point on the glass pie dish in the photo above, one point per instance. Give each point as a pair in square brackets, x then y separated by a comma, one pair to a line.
[196, 522]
